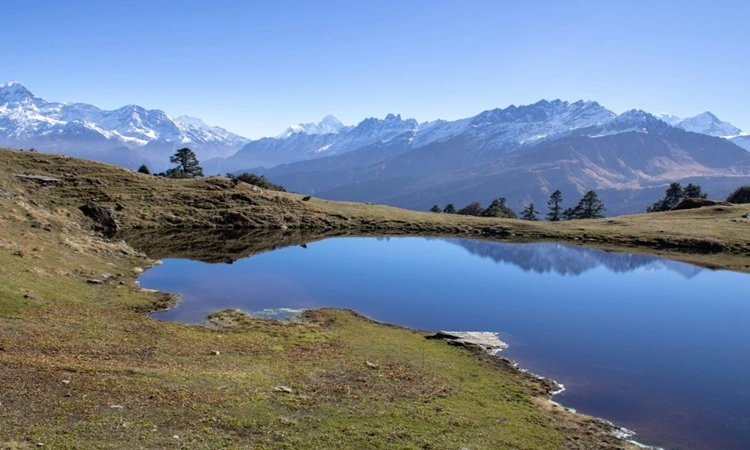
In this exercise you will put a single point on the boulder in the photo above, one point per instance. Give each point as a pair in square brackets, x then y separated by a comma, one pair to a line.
[103, 216]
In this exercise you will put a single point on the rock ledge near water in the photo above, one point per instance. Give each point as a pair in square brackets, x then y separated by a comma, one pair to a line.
[485, 340]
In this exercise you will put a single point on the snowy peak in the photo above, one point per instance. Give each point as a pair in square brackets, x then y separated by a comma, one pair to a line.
[392, 123]
[14, 92]
[705, 123]
[544, 111]
[668, 118]
[709, 124]
[328, 125]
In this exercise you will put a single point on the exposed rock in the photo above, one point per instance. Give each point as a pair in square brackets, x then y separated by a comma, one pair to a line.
[103, 216]
[215, 352]
[4, 194]
[485, 340]
[371, 365]
[692, 203]
[94, 281]
[39, 178]
[283, 389]
[32, 297]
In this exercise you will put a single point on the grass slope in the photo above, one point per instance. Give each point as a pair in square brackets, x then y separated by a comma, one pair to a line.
[83, 366]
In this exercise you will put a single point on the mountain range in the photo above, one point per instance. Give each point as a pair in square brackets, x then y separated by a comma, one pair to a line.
[128, 136]
[522, 153]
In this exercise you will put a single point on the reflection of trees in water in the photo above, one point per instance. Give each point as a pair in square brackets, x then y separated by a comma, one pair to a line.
[227, 246]
[569, 260]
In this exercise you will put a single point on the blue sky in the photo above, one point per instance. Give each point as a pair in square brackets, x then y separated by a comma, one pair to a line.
[256, 67]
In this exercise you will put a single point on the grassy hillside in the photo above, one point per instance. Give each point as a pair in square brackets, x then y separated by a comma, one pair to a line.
[714, 236]
[83, 366]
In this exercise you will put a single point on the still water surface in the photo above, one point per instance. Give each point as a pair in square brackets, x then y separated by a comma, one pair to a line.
[657, 346]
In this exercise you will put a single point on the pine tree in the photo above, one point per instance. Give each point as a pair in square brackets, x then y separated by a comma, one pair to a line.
[529, 212]
[741, 195]
[436, 209]
[449, 209]
[674, 195]
[555, 206]
[144, 169]
[498, 209]
[589, 207]
[693, 191]
[187, 165]
[472, 209]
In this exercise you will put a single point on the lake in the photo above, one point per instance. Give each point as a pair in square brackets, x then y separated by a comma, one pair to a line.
[656, 346]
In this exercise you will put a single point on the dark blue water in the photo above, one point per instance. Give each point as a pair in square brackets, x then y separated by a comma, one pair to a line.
[657, 346]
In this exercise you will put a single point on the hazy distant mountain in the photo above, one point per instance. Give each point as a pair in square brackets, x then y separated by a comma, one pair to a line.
[705, 123]
[329, 124]
[742, 140]
[308, 143]
[127, 136]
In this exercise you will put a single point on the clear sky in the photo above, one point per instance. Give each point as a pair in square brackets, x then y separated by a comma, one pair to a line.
[254, 67]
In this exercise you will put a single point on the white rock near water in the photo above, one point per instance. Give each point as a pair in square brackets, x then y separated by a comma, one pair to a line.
[484, 339]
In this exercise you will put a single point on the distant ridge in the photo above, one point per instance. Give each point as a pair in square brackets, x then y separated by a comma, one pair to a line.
[520, 152]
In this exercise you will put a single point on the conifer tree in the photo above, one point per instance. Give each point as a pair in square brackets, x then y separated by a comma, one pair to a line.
[555, 207]
[530, 213]
[187, 165]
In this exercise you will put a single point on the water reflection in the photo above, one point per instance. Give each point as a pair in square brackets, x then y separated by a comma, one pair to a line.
[570, 260]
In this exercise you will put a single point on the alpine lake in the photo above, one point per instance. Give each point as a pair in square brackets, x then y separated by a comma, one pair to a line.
[656, 346]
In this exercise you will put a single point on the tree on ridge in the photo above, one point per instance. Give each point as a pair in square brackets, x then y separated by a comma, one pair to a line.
[187, 165]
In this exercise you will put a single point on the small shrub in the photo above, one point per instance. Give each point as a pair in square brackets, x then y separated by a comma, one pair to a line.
[260, 181]
[741, 195]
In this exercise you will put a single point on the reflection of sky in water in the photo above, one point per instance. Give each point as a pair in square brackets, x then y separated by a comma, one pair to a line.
[660, 346]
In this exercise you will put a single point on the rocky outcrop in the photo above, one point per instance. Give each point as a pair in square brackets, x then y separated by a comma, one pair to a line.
[472, 339]
[103, 217]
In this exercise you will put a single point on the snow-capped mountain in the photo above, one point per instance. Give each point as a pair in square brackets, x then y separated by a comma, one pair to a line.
[518, 152]
[490, 132]
[628, 159]
[704, 123]
[304, 145]
[329, 124]
[516, 125]
[126, 135]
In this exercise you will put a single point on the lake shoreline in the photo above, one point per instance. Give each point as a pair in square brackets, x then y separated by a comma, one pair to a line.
[551, 387]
